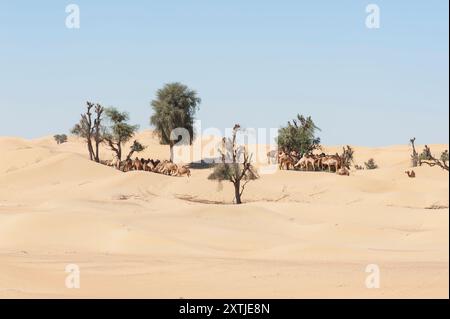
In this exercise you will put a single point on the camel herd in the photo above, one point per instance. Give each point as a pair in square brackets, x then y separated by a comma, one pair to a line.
[308, 162]
[149, 165]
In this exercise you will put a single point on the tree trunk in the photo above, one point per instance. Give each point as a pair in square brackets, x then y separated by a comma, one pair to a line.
[119, 152]
[91, 150]
[97, 157]
[237, 192]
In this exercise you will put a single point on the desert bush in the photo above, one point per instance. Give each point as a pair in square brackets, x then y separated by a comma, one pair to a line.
[299, 136]
[444, 156]
[370, 164]
[234, 169]
[60, 138]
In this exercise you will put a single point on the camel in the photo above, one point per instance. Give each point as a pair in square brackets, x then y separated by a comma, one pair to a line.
[150, 165]
[184, 170]
[126, 165]
[330, 161]
[285, 161]
[411, 174]
[343, 171]
[172, 168]
[137, 165]
[310, 160]
[301, 163]
[272, 157]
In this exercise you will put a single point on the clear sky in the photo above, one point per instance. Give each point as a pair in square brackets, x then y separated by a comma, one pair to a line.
[255, 62]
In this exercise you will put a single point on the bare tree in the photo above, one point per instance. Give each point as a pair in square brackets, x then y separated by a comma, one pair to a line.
[97, 130]
[91, 129]
[347, 156]
[84, 129]
[414, 155]
[235, 167]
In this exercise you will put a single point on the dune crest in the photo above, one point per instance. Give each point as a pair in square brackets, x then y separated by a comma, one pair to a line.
[140, 234]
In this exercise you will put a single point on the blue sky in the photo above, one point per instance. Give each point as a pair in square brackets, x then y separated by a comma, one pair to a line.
[255, 62]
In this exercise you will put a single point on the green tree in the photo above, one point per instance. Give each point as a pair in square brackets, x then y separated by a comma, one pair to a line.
[60, 138]
[299, 135]
[174, 107]
[136, 147]
[119, 130]
[235, 167]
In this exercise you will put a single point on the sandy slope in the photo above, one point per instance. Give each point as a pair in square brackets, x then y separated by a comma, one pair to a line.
[137, 234]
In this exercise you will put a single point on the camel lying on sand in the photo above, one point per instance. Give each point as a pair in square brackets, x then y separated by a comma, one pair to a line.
[149, 165]
[343, 171]
[411, 174]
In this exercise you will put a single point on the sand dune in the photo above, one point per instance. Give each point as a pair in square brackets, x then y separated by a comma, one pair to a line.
[138, 234]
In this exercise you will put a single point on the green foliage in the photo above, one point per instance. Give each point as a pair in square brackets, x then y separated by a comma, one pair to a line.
[370, 164]
[60, 138]
[136, 147]
[444, 156]
[232, 168]
[231, 172]
[81, 129]
[299, 136]
[119, 130]
[426, 154]
[174, 107]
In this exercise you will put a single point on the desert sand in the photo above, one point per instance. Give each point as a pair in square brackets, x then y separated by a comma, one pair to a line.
[145, 235]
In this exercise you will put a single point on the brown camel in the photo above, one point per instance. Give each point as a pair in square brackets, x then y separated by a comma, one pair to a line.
[184, 170]
[411, 174]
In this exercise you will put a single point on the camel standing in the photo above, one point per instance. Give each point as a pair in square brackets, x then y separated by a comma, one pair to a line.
[184, 170]
[285, 161]
[138, 165]
[331, 161]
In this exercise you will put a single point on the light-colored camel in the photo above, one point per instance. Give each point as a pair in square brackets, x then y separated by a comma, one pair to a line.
[343, 171]
[272, 157]
[331, 161]
[305, 162]
[184, 170]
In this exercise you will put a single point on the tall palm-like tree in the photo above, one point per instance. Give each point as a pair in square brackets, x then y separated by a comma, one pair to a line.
[174, 107]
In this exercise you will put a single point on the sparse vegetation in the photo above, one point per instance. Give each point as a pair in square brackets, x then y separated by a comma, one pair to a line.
[60, 138]
[414, 155]
[136, 147]
[119, 131]
[426, 157]
[175, 106]
[299, 136]
[235, 167]
[347, 156]
[91, 130]
[370, 164]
